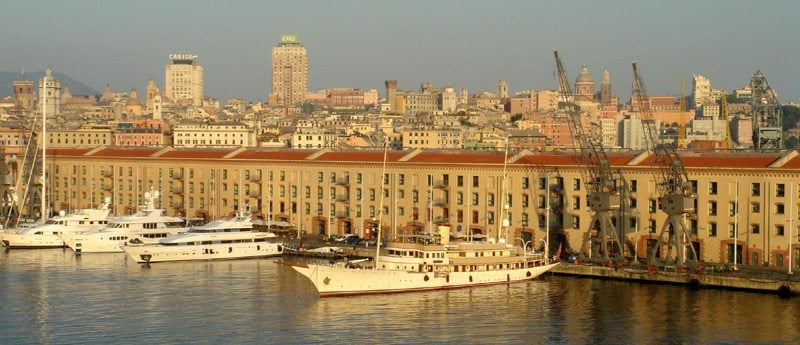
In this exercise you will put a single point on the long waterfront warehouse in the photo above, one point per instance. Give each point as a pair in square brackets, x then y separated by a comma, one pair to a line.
[326, 192]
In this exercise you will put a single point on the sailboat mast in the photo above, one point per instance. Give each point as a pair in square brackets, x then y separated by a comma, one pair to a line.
[380, 209]
[44, 150]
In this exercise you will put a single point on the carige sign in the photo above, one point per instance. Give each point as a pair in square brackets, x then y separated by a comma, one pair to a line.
[182, 56]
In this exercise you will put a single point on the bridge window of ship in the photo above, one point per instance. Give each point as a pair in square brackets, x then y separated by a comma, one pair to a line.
[149, 225]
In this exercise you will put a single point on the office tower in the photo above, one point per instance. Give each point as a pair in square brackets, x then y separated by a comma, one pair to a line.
[183, 80]
[289, 72]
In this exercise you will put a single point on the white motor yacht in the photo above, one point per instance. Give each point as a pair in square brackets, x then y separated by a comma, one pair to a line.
[147, 226]
[221, 239]
[47, 235]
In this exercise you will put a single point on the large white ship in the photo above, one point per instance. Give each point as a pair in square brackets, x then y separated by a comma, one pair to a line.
[147, 226]
[425, 262]
[47, 235]
[221, 239]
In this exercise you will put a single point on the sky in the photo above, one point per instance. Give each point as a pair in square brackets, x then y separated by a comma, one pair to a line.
[360, 44]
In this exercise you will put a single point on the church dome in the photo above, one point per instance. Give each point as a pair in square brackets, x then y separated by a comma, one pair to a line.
[584, 77]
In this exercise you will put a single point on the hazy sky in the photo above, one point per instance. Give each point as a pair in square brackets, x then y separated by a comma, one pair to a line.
[362, 43]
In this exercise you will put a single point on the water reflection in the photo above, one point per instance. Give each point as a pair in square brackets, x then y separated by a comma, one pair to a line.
[51, 296]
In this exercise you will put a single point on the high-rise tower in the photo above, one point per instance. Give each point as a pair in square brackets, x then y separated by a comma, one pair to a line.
[289, 72]
[23, 94]
[605, 89]
[391, 91]
[183, 80]
[50, 88]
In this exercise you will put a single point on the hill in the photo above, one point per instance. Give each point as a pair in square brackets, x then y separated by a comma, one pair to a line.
[75, 87]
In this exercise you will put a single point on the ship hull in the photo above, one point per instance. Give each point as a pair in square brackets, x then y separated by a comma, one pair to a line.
[28, 241]
[342, 281]
[231, 251]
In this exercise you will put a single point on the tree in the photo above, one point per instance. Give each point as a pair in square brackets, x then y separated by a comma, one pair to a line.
[791, 115]
[791, 143]
[516, 117]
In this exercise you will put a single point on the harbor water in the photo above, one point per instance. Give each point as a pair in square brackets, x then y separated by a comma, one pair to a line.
[54, 297]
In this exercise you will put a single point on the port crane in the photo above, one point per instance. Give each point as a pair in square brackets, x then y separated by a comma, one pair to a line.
[675, 195]
[602, 241]
[767, 127]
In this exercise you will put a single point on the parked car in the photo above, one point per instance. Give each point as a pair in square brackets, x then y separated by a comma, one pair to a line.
[352, 239]
[344, 237]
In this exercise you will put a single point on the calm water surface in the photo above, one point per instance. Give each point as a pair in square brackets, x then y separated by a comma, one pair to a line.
[53, 297]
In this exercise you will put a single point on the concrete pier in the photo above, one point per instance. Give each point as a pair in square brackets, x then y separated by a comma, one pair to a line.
[778, 284]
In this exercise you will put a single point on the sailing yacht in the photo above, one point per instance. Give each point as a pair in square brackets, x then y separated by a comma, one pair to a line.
[47, 235]
[221, 239]
[146, 226]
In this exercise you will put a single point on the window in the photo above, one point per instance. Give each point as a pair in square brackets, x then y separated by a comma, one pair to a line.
[524, 219]
[576, 222]
[779, 230]
[542, 202]
[732, 230]
[415, 196]
[490, 199]
[401, 179]
[525, 183]
[634, 186]
[576, 184]
[755, 189]
[633, 202]
[732, 207]
[475, 183]
[712, 208]
[576, 203]
[755, 207]
[542, 183]
[490, 217]
[524, 200]
[712, 229]
[651, 206]
[319, 176]
[712, 188]
[371, 194]
[693, 183]
[474, 199]
[459, 198]
[651, 226]
[779, 208]
[755, 228]
[780, 190]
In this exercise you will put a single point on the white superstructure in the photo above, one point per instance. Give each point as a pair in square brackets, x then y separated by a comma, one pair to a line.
[147, 225]
[425, 263]
[47, 235]
[222, 239]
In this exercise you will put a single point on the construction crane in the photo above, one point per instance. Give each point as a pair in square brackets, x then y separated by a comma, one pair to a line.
[682, 124]
[767, 127]
[675, 195]
[602, 241]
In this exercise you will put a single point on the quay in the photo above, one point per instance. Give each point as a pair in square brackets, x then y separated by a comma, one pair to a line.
[756, 279]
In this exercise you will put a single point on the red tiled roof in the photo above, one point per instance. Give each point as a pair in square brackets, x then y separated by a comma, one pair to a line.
[361, 156]
[549, 159]
[195, 154]
[721, 161]
[273, 155]
[126, 152]
[793, 163]
[67, 152]
[458, 158]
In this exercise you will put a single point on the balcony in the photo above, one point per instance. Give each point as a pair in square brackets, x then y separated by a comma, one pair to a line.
[254, 193]
[177, 175]
[176, 190]
[107, 172]
[342, 198]
[177, 204]
[342, 214]
[343, 181]
[440, 202]
[254, 178]
[442, 184]
[441, 220]
[107, 187]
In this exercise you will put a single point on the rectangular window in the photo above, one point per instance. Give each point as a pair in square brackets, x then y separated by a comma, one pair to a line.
[779, 209]
[780, 190]
[490, 217]
[779, 230]
[460, 181]
[755, 189]
[474, 199]
[651, 206]
[576, 203]
[475, 183]
[732, 207]
[401, 179]
[490, 199]
[459, 198]
[712, 208]
[415, 196]
[576, 222]
[634, 186]
[576, 184]
[651, 226]
[524, 220]
[712, 229]
[755, 228]
[693, 183]
[542, 183]
[319, 176]
[712, 188]
[755, 207]
[525, 200]
[371, 194]
[731, 230]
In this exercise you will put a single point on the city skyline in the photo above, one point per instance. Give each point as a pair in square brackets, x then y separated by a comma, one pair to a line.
[353, 44]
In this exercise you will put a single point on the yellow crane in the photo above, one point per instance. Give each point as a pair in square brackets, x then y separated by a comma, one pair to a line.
[683, 121]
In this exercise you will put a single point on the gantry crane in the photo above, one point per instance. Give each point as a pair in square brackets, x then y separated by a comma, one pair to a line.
[682, 122]
[675, 195]
[767, 127]
[602, 241]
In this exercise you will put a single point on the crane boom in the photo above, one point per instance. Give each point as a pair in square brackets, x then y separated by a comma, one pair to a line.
[675, 195]
[602, 240]
[767, 118]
